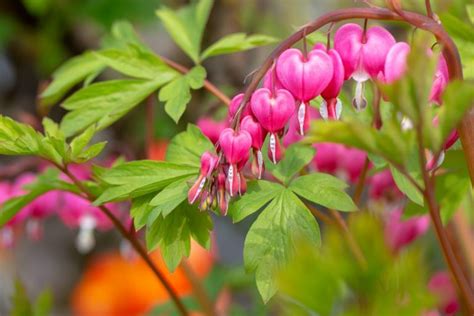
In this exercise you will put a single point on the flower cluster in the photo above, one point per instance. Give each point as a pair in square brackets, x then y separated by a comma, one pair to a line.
[75, 211]
[280, 109]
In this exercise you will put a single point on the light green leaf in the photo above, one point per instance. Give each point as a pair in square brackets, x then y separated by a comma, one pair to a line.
[258, 194]
[296, 158]
[173, 233]
[186, 26]
[325, 190]
[137, 178]
[451, 189]
[195, 77]
[90, 153]
[457, 99]
[135, 62]
[405, 186]
[140, 210]
[80, 142]
[237, 42]
[104, 103]
[187, 147]
[456, 27]
[169, 198]
[470, 12]
[272, 239]
[180, 32]
[21, 305]
[177, 95]
[43, 304]
[69, 74]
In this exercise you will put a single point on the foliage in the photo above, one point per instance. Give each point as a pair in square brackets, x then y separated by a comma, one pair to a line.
[388, 285]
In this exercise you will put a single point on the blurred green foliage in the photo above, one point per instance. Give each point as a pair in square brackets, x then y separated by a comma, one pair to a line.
[329, 281]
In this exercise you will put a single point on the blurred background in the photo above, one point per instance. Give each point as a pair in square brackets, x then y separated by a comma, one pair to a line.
[37, 36]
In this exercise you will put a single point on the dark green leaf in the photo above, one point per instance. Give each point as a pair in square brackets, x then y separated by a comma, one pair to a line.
[325, 190]
[140, 210]
[43, 304]
[296, 158]
[406, 186]
[21, 303]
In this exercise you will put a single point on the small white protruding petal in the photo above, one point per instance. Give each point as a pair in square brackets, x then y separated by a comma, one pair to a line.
[260, 163]
[230, 179]
[338, 108]
[301, 116]
[85, 240]
[359, 101]
[273, 147]
[323, 110]
[7, 238]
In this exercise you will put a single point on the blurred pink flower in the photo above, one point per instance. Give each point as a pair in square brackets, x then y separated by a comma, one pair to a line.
[382, 186]
[442, 287]
[399, 232]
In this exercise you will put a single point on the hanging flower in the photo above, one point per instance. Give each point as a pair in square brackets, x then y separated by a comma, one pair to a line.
[363, 54]
[305, 77]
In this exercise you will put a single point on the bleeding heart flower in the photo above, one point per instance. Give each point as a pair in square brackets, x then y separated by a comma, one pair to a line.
[396, 62]
[222, 198]
[331, 106]
[271, 81]
[234, 106]
[440, 81]
[292, 135]
[363, 54]
[382, 186]
[305, 77]
[77, 212]
[399, 232]
[235, 146]
[258, 135]
[442, 287]
[273, 112]
[352, 161]
[212, 128]
[327, 158]
[208, 164]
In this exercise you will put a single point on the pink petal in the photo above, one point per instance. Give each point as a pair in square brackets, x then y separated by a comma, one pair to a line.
[396, 62]
[304, 77]
[272, 112]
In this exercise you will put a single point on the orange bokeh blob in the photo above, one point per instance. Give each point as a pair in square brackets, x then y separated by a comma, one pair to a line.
[115, 286]
[157, 150]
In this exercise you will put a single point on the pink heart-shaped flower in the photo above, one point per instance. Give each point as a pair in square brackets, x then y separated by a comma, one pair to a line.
[334, 87]
[235, 145]
[272, 111]
[440, 80]
[234, 106]
[255, 130]
[363, 56]
[304, 77]
[396, 62]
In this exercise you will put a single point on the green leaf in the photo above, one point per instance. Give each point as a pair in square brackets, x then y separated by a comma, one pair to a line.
[258, 194]
[325, 190]
[195, 77]
[43, 304]
[451, 189]
[186, 26]
[69, 74]
[104, 103]
[137, 63]
[140, 210]
[405, 186]
[137, 178]
[470, 12]
[124, 35]
[296, 158]
[457, 99]
[272, 239]
[80, 142]
[173, 233]
[187, 147]
[90, 153]
[456, 27]
[237, 42]
[21, 303]
[169, 198]
[177, 95]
